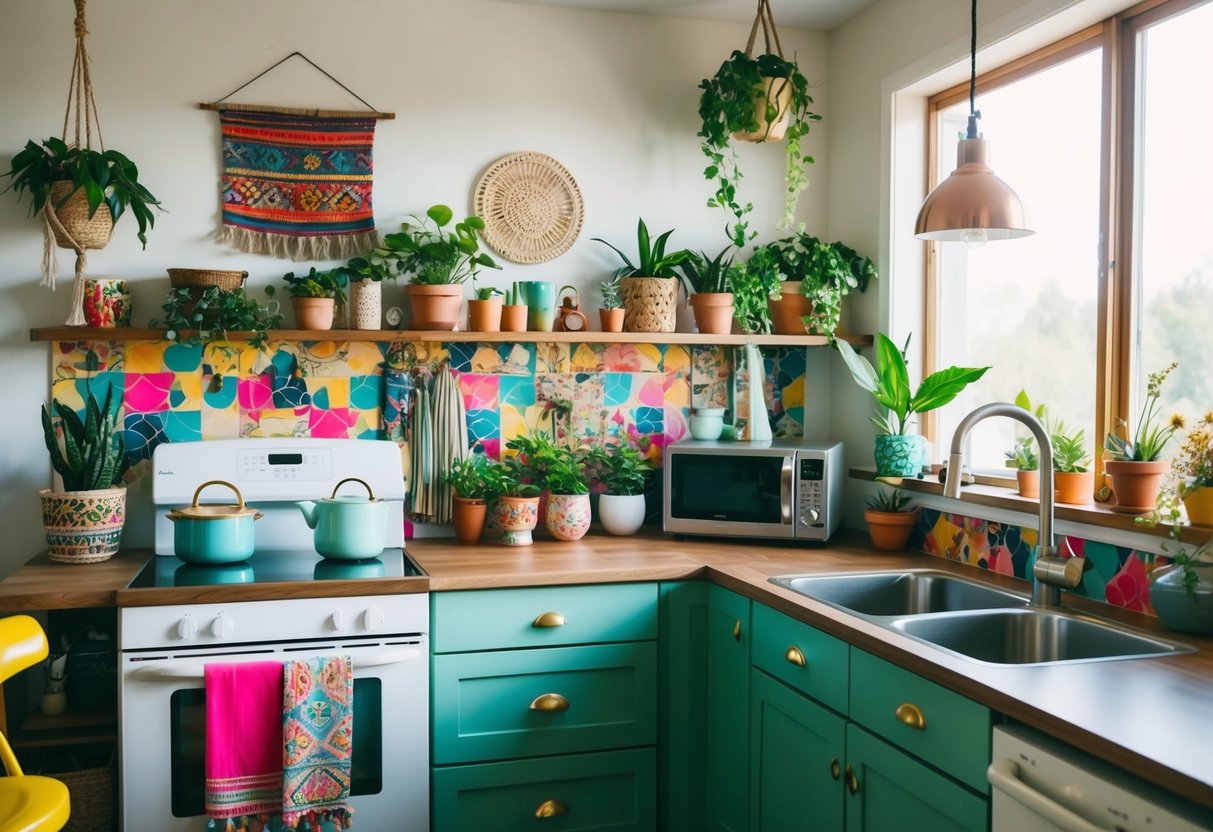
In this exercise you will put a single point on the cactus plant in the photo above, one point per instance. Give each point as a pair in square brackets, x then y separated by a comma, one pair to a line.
[93, 455]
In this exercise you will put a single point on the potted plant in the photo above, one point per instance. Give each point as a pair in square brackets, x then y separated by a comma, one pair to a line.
[897, 454]
[315, 296]
[890, 519]
[73, 182]
[530, 456]
[516, 509]
[1133, 465]
[650, 288]
[1181, 593]
[816, 277]
[84, 520]
[439, 262]
[753, 99]
[1073, 481]
[484, 311]
[707, 280]
[754, 283]
[513, 310]
[623, 473]
[475, 479]
[1193, 468]
[611, 313]
[568, 506]
[365, 276]
[1023, 456]
[211, 314]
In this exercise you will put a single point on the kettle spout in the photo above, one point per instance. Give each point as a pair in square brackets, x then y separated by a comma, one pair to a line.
[309, 512]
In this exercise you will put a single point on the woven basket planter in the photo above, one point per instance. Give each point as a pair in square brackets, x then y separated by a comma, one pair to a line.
[226, 280]
[650, 304]
[86, 232]
[366, 304]
[83, 526]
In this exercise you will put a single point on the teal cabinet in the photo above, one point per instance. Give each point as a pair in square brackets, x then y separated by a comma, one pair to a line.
[728, 698]
[804, 657]
[682, 706]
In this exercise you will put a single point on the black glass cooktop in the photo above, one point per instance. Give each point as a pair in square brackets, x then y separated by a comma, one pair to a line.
[274, 567]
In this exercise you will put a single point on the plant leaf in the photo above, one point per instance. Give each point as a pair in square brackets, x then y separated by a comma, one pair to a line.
[861, 369]
[941, 387]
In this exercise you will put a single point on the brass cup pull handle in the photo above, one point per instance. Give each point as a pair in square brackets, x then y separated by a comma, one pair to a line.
[549, 703]
[549, 619]
[551, 809]
[852, 781]
[795, 656]
[737, 630]
[911, 715]
[835, 768]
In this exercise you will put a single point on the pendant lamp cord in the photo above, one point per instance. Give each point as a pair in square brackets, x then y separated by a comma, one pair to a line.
[974, 115]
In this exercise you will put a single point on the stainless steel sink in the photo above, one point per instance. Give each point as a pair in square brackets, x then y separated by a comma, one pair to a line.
[1033, 636]
[900, 593]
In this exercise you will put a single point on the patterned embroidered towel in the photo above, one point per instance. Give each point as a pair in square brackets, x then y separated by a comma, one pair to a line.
[243, 739]
[318, 732]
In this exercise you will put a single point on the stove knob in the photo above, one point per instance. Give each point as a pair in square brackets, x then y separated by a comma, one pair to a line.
[186, 628]
[222, 626]
[372, 619]
[336, 621]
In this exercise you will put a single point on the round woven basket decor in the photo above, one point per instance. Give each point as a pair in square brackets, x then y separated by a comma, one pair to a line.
[531, 206]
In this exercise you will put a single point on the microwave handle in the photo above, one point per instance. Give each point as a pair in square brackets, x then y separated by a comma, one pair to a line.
[785, 491]
[173, 672]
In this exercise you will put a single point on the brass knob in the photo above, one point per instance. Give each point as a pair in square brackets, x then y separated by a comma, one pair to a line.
[737, 630]
[549, 619]
[551, 809]
[909, 714]
[835, 768]
[795, 656]
[852, 781]
[549, 703]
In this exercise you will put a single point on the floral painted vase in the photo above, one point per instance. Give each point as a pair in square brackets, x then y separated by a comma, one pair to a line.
[83, 526]
[568, 516]
[517, 518]
[107, 303]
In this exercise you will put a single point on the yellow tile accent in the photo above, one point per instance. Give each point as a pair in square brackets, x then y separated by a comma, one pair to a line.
[338, 388]
[793, 394]
[677, 359]
[145, 356]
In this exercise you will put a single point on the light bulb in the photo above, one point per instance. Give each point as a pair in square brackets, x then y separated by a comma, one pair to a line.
[974, 238]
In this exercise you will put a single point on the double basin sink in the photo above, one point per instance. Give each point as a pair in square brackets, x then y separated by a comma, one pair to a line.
[975, 620]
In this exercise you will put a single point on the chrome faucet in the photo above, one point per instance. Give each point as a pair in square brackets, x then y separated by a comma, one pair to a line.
[1051, 571]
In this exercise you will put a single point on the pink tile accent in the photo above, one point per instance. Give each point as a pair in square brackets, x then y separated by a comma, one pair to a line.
[1129, 588]
[147, 392]
[255, 393]
[331, 424]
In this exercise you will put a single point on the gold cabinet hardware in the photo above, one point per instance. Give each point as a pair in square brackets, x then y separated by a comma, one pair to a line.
[852, 781]
[795, 656]
[549, 703]
[551, 809]
[835, 768]
[909, 714]
[737, 630]
[549, 619]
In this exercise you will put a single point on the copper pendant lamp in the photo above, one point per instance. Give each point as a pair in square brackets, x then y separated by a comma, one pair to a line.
[972, 205]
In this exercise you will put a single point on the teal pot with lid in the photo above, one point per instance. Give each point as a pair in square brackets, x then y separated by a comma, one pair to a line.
[221, 533]
[349, 527]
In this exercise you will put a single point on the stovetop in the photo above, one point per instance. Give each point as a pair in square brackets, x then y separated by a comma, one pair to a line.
[274, 567]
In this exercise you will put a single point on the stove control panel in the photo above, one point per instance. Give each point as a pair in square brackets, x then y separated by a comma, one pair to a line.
[285, 465]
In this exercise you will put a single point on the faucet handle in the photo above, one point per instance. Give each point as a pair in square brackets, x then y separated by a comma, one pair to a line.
[1058, 570]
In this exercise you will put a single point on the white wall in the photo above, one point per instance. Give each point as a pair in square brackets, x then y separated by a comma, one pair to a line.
[612, 96]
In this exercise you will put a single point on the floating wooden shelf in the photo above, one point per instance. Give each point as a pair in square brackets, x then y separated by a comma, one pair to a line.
[77, 728]
[82, 333]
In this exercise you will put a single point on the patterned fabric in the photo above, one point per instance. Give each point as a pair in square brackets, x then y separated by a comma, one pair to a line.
[317, 734]
[243, 741]
[297, 186]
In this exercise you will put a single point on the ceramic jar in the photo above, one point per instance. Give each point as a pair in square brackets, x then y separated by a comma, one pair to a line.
[107, 303]
[898, 455]
[568, 516]
[366, 304]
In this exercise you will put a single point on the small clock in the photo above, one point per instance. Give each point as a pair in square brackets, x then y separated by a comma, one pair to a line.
[394, 316]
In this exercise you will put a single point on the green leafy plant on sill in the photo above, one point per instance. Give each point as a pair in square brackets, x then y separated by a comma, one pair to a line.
[889, 500]
[652, 260]
[1150, 437]
[94, 454]
[318, 284]
[212, 313]
[754, 283]
[434, 256]
[359, 269]
[1069, 452]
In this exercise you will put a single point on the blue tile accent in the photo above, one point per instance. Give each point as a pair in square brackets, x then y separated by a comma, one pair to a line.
[461, 353]
[183, 358]
[366, 392]
[518, 391]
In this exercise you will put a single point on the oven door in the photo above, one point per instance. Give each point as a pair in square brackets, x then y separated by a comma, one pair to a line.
[742, 494]
[163, 733]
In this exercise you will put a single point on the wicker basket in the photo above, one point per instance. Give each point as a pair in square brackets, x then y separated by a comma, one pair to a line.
[86, 232]
[649, 303]
[92, 797]
[227, 281]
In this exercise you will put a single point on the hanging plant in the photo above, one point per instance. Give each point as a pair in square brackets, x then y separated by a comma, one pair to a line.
[755, 99]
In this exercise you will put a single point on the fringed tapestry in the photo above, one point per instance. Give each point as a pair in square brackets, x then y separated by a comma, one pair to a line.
[298, 186]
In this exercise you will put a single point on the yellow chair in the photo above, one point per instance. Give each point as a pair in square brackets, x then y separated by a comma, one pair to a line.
[27, 803]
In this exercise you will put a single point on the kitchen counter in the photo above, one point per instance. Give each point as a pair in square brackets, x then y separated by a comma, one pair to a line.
[1152, 717]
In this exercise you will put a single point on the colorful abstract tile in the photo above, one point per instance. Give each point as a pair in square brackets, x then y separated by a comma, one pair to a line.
[183, 426]
[255, 393]
[366, 392]
[327, 392]
[1130, 587]
[186, 393]
[183, 358]
[480, 392]
[587, 358]
[218, 392]
[142, 432]
[221, 423]
[461, 353]
[483, 425]
[70, 359]
[552, 358]
[331, 424]
[147, 392]
[676, 358]
[146, 357]
[677, 390]
[518, 391]
[675, 424]
[290, 392]
[222, 358]
[631, 358]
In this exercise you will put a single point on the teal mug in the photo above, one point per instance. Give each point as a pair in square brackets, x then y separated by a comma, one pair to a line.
[540, 296]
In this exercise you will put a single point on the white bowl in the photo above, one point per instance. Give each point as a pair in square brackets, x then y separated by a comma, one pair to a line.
[707, 423]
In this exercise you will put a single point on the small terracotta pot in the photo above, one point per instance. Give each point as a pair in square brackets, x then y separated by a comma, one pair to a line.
[517, 518]
[1073, 488]
[1199, 503]
[513, 317]
[713, 312]
[611, 319]
[484, 315]
[890, 530]
[1135, 485]
[568, 516]
[779, 92]
[435, 307]
[314, 313]
[787, 313]
[468, 518]
[1029, 484]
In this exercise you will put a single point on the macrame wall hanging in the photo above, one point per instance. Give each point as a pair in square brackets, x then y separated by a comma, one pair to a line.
[297, 182]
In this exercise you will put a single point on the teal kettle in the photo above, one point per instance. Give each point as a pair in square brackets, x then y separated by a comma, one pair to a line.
[349, 527]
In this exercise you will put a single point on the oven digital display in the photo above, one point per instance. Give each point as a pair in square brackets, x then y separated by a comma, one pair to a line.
[813, 469]
[286, 459]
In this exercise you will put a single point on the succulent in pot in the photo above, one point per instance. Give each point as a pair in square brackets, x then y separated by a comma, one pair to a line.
[484, 310]
[1022, 455]
[316, 296]
[610, 315]
[623, 472]
[1073, 480]
[890, 518]
[513, 310]
[1132, 463]
[649, 287]
[707, 280]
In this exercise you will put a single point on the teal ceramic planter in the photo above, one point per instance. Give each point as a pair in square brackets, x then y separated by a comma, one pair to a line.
[349, 527]
[898, 456]
[1179, 610]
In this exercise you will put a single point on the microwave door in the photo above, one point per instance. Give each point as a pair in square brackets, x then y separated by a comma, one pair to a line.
[731, 494]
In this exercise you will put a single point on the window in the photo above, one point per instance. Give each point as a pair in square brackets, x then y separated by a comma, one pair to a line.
[1076, 325]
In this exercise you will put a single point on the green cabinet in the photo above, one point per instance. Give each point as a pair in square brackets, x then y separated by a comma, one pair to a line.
[682, 706]
[728, 712]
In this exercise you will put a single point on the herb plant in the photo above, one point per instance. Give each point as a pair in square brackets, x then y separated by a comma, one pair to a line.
[624, 471]
[94, 454]
[1150, 437]
[1069, 455]
[652, 259]
[433, 256]
[702, 273]
[889, 500]
[532, 456]
[566, 474]
[212, 313]
[470, 477]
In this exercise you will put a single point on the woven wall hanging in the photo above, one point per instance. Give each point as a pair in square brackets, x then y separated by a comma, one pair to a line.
[531, 206]
[297, 182]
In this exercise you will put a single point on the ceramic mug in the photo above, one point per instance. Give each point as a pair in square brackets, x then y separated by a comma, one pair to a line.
[107, 303]
[540, 298]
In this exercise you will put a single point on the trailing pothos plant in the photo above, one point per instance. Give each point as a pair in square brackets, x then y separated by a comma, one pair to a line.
[210, 314]
[729, 104]
[829, 271]
[753, 283]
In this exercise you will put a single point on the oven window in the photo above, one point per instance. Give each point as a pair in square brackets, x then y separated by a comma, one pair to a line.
[742, 489]
[187, 720]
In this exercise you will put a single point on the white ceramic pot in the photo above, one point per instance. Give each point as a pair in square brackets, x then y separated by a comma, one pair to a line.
[366, 304]
[621, 514]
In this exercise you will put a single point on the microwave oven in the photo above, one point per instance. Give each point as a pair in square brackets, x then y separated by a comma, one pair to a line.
[782, 490]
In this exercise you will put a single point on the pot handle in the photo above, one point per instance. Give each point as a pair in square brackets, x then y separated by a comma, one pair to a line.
[363, 483]
[226, 484]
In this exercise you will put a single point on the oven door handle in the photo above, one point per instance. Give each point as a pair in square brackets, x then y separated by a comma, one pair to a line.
[172, 672]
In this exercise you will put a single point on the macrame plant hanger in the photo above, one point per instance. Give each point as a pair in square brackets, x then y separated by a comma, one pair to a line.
[83, 106]
[769, 35]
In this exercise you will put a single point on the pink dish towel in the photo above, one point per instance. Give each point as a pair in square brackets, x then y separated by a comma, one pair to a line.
[243, 739]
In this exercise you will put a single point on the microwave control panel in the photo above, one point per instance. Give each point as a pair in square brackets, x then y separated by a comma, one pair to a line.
[811, 510]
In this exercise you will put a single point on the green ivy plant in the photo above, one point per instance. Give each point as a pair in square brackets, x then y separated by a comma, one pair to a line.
[829, 271]
[727, 105]
[434, 256]
[191, 316]
[753, 283]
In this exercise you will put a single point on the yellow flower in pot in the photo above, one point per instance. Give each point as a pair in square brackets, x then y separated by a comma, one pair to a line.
[1193, 466]
[1133, 464]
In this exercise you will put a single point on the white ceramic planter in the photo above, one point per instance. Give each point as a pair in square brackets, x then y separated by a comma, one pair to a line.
[366, 304]
[619, 514]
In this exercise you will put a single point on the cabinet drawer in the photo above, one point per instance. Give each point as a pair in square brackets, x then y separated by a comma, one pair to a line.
[782, 643]
[607, 792]
[497, 619]
[953, 733]
[530, 703]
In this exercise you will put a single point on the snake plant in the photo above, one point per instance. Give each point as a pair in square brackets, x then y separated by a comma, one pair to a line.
[93, 454]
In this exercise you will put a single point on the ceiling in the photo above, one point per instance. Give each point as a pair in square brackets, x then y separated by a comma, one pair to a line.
[809, 14]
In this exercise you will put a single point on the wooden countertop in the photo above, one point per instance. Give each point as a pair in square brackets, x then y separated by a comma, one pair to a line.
[1152, 717]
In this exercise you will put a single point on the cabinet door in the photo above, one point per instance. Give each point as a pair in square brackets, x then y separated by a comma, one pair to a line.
[682, 719]
[728, 711]
[796, 749]
[890, 791]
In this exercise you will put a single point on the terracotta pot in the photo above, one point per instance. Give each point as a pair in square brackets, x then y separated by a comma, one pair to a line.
[650, 304]
[1135, 485]
[787, 313]
[713, 312]
[484, 315]
[83, 526]
[1199, 503]
[611, 319]
[314, 313]
[435, 307]
[890, 530]
[779, 92]
[87, 232]
[468, 518]
[1073, 488]
[517, 518]
[568, 516]
[366, 304]
[513, 317]
[1029, 484]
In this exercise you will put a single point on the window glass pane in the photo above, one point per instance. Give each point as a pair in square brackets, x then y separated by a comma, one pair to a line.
[1027, 308]
[1174, 229]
